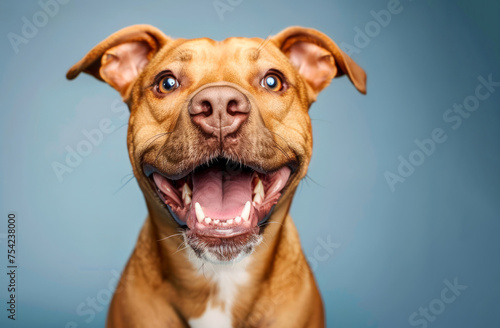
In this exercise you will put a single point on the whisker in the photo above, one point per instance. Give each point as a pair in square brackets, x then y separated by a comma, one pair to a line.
[177, 234]
[123, 185]
[281, 148]
[321, 120]
[203, 270]
[281, 138]
[307, 178]
[126, 175]
[160, 151]
[159, 135]
[180, 250]
[264, 42]
[121, 126]
[156, 137]
[267, 245]
[276, 146]
[269, 222]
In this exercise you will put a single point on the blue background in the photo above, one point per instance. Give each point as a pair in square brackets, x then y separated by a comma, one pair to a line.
[395, 248]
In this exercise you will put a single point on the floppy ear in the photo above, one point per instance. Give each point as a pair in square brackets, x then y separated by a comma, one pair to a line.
[119, 59]
[318, 59]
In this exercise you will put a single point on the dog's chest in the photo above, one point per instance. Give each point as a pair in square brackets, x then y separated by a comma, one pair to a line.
[227, 278]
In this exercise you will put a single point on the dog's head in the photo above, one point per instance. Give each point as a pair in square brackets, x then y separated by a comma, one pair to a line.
[219, 132]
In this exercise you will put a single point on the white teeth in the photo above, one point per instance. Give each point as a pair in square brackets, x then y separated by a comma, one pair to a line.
[258, 192]
[258, 199]
[186, 194]
[226, 223]
[200, 216]
[199, 212]
[259, 188]
[245, 214]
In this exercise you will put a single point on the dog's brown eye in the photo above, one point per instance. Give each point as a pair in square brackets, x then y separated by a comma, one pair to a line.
[272, 82]
[168, 84]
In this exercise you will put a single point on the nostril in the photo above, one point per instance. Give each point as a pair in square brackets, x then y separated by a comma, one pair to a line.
[206, 108]
[232, 107]
[237, 106]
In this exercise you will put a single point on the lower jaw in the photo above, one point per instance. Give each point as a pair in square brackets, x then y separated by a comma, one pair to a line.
[223, 250]
[223, 246]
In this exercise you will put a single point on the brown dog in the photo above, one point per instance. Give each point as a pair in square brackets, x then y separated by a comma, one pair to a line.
[219, 137]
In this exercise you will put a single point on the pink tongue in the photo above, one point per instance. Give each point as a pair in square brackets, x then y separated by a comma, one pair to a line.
[222, 195]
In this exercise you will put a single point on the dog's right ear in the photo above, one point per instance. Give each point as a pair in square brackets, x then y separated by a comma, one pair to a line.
[119, 59]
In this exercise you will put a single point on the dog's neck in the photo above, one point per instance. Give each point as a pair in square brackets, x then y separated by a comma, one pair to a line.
[169, 261]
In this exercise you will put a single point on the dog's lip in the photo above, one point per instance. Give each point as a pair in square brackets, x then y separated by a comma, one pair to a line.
[223, 233]
[149, 169]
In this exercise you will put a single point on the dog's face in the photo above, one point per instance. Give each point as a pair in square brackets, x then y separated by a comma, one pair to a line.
[219, 132]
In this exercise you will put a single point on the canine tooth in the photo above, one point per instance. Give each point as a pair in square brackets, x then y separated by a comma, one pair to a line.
[230, 221]
[258, 199]
[208, 220]
[259, 192]
[237, 219]
[216, 221]
[245, 214]
[186, 192]
[187, 200]
[259, 188]
[199, 212]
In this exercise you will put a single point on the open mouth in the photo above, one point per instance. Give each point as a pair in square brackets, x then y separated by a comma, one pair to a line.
[222, 199]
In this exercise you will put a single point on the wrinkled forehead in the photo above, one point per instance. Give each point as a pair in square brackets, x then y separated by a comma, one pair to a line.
[209, 51]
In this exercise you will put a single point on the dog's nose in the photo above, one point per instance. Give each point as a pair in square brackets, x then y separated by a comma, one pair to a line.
[219, 111]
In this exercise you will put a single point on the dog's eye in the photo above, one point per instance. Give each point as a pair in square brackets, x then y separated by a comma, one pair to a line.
[168, 84]
[272, 82]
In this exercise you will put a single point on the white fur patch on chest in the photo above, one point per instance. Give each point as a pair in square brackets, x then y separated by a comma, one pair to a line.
[227, 278]
[212, 318]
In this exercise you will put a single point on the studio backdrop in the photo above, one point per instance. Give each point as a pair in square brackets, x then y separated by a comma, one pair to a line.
[399, 214]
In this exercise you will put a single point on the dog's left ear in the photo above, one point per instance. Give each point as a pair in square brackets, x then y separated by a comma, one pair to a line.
[318, 59]
[119, 59]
